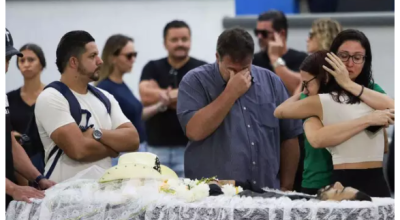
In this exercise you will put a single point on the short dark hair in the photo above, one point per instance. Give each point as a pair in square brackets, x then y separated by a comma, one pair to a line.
[361, 196]
[278, 18]
[37, 50]
[72, 44]
[175, 24]
[236, 43]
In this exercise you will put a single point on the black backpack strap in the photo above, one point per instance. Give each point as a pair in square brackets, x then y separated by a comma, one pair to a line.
[75, 109]
[101, 97]
[74, 106]
[53, 165]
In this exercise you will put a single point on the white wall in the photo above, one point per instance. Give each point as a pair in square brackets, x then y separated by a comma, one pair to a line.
[44, 23]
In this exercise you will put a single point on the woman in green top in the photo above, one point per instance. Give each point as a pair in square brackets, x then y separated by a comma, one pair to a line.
[318, 162]
[353, 51]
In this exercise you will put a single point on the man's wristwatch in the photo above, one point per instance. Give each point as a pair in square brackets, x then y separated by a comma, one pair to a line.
[97, 134]
[162, 108]
[279, 62]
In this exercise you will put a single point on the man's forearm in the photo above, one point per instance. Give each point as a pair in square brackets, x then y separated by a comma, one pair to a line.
[22, 163]
[290, 79]
[92, 151]
[121, 140]
[207, 119]
[373, 99]
[290, 154]
[150, 96]
[150, 111]
[10, 186]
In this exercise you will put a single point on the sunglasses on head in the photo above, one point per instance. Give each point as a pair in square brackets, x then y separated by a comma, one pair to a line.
[263, 33]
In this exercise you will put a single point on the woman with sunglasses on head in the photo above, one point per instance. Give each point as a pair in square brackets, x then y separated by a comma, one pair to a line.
[339, 118]
[317, 162]
[118, 56]
[322, 33]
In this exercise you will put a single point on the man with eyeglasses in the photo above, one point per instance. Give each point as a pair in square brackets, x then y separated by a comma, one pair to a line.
[272, 32]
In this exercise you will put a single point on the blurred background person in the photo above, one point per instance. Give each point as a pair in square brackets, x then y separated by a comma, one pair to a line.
[22, 100]
[162, 77]
[322, 33]
[272, 34]
[118, 57]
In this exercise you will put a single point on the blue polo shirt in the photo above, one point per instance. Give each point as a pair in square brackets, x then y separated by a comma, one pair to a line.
[246, 146]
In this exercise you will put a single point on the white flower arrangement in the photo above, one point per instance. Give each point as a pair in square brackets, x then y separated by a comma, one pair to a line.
[230, 190]
[186, 189]
[195, 190]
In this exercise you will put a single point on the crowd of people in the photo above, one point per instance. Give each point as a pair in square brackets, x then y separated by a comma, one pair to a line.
[279, 118]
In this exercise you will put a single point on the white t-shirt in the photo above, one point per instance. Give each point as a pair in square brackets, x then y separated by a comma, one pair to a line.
[52, 111]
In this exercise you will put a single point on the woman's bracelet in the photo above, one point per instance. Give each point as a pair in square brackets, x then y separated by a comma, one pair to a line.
[362, 90]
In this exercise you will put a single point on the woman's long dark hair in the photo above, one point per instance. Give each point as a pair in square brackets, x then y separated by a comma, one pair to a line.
[365, 78]
[313, 65]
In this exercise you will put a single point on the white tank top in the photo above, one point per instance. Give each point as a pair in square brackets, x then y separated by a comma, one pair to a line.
[364, 146]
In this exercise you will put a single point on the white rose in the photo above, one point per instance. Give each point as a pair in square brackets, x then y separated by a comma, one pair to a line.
[228, 190]
[201, 191]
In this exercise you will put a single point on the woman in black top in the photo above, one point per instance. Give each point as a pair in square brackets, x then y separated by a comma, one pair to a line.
[22, 100]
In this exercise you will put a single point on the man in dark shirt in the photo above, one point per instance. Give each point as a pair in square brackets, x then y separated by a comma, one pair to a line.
[272, 32]
[16, 157]
[161, 78]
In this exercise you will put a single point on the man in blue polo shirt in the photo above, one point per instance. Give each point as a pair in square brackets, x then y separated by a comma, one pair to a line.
[227, 111]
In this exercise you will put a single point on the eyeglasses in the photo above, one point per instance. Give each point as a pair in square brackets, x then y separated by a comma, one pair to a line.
[129, 56]
[357, 58]
[264, 33]
[305, 84]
